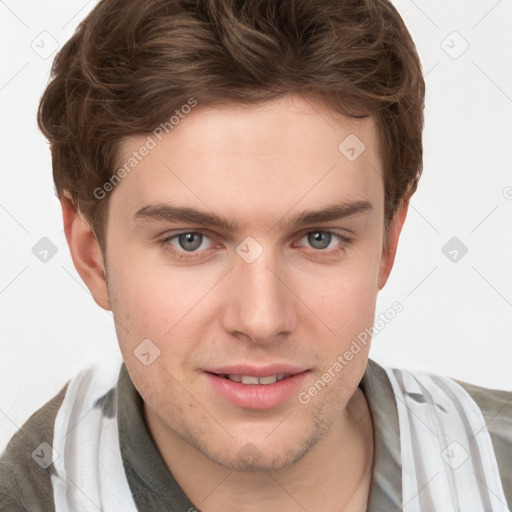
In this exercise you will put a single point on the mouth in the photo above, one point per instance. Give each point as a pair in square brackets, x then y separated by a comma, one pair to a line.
[256, 388]
[252, 379]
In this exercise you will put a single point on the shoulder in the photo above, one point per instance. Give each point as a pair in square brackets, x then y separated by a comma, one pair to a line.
[38, 454]
[496, 408]
[25, 464]
[452, 409]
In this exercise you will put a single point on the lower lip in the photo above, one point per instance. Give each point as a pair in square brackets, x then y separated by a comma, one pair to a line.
[257, 396]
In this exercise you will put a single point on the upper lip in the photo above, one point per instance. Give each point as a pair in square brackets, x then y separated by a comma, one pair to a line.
[257, 371]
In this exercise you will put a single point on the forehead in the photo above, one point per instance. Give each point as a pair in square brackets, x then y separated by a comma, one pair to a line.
[273, 155]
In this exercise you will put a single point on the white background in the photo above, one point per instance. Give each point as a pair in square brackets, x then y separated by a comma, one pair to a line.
[457, 317]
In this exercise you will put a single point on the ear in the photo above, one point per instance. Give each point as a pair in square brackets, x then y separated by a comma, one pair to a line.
[391, 243]
[85, 252]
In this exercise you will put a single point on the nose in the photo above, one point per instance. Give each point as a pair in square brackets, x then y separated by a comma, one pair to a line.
[261, 306]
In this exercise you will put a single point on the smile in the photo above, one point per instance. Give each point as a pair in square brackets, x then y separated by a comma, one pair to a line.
[250, 379]
[256, 388]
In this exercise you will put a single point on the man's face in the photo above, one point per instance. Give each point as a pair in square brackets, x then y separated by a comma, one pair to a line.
[266, 295]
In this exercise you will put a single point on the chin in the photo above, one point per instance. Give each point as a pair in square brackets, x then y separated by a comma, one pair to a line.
[262, 456]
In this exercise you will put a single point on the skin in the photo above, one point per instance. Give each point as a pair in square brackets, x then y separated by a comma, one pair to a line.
[296, 303]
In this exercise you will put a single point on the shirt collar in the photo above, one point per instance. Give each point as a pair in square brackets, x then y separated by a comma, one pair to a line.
[386, 485]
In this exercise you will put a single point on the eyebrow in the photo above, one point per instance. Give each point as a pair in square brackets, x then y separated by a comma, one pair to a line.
[170, 213]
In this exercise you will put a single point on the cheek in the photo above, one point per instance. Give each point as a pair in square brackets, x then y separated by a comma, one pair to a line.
[347, 314]
[161, 304]
[344, 297]
[153, 295]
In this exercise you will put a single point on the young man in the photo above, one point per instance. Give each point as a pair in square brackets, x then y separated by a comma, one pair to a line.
[234, 177]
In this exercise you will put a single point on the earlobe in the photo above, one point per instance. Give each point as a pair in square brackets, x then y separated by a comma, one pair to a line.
[391, 244]
[85, 252]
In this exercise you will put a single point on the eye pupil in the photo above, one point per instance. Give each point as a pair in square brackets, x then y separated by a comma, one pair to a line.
[190, 241]
[319, 239]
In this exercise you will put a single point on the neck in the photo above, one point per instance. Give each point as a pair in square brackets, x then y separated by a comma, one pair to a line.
[334, 475]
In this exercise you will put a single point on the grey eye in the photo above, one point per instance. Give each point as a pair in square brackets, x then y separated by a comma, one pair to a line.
[190, 241]
[319, 239]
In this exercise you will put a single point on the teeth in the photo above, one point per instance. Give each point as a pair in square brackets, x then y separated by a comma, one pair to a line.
[249, 379]
[268, 380]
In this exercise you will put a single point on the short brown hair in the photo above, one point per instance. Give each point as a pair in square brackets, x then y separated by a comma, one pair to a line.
[132, 63]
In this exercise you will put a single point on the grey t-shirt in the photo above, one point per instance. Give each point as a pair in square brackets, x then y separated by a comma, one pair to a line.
[26, 486]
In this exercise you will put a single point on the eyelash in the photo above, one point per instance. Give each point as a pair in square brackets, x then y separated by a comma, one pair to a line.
[164, 243]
